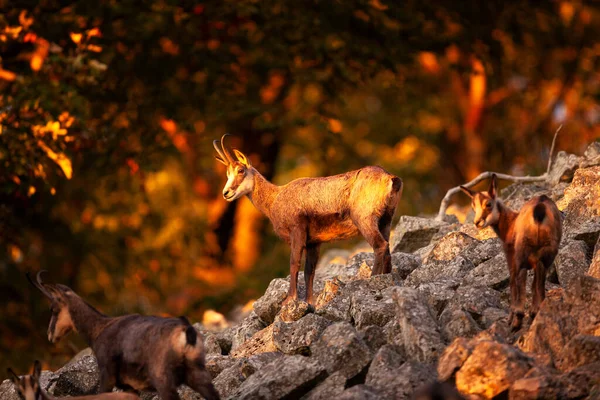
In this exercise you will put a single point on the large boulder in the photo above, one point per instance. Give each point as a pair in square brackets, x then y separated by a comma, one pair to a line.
[438, 292]
[572, 261]
[434, 269]
[267, 307]
[240, 334]
[77, 378]
[261, 342]
[413, 233]
[330, 388]
[420, 334]
[451, 245]
[594, 269]
[296, 337]
[581, 202]
[287, 378]
[340, 349]
[492, 273]
[372, 308]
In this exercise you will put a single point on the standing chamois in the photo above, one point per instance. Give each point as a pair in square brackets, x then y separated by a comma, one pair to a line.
[28, 388]
[530, 239]
[134, 352]
[309, 211]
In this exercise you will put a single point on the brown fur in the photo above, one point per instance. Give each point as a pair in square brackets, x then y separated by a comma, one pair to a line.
[28, 388]
[134, 352]
[309, 211]
[528, 243]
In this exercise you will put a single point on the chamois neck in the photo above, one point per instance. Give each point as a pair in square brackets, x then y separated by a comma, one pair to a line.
[505, 221]
[263, 194]
[88, 321]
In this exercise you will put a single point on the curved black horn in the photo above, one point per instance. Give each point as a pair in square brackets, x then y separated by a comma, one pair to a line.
[227, 154]
[38, 283]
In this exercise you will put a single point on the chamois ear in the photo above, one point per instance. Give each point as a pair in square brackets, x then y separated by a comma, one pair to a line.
[37, 370]
[13, 377]
[467, 191]
[493, 187]
[241, 157]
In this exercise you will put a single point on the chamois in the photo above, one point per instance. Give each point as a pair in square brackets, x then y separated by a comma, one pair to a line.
[134, 352]
[530, 239]
[28, 388]
[309, 211]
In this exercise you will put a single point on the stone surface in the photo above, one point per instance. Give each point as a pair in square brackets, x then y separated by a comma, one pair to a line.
[288, 378]
[492, 273]
[294, 310]
[341, 349]
[581, 201]
[261, 342]
[491, 368]
[267, 307]
[330, 290]
[482, 250]
[372, 308]
[457, 323]
[594, 269]
[296, 337]
[413, 233]
[430, 271]
[563, 168]
[77, 378]
[373, 336]
[451, 245]
[331, 388]
[358, 392]
[572, 261]
[580, 350]
[404, 263]
[439, 292]
[331, 256]
[420, 334]
[453, 357]
[215, 364]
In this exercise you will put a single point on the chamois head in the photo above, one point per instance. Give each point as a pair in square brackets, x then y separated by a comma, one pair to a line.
[28, 386]
[61, 322]
[240, 174]
[484, 204]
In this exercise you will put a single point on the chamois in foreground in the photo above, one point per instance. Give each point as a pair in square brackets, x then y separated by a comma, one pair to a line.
[134, 352]
[530, 239]
[28, 388]
[309, 211]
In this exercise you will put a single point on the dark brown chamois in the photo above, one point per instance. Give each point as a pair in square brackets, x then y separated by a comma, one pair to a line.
[309, 211]
[134, 352]
[28, 388]
[530, 238]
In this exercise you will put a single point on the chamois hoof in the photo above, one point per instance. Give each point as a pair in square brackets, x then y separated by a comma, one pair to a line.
[515, 320]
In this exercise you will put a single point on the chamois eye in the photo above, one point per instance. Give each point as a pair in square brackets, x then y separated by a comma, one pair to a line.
[488, 204]
[240, 171]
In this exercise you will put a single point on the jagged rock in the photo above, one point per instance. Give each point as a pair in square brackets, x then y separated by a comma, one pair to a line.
[9, 392]
[571, 261]
[329, 389]
[215, 364]
[243, 332]
[293, 311]
[588, 231]
[392, 332]
[78, 377]
[420, 334]
[591, 155]
[539, 386]
[267, 307]
[331, 256]
[341, 349]
[453, 357]
[480, 234]
[581, 350]
[581, 202]
[475, 299]
[492, 273]
[184, 392]
[211, 345]
[423, 252]
[583, 381]
[438, 391]
[491, 368]
[413, 233]
[457, 268]
[364, 271]
[450, 246]
[439, 292]
[330, 290]
[358, 392]
[457, 323]
[372, 308]
[287, 378]
[404, 263]
[481, 251]
[261, 342]
[296, 337]
[563, 168]
[491, 315]
[231, 378]
[373, 336]
[358, 259]
[594, 269]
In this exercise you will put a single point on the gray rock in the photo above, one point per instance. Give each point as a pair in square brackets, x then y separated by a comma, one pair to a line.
[563, 168]
[288, 378]
[594, 269]
[212, 346]
[341, 349]
[457, 268]
[413, 233]
[572, 261]
[451, 245]
[404, 263]
[357, 259]
[267, 307]
[475, 300]
[296, 337]
[373, 336]
[588, 231]
[77, 378]
[491, 315]
[184, 392]
[372, 308]
[329, 389]
[244, 331]
[580, 204]
[420, 334]
[457, 323]
[232, 377]
[331, 256]
[492, 273]
[9, 392]
[294, 310]
[215, 364]
[392, 332]
[359, 392]
[581, 350]
[481, 251]
[439, 292]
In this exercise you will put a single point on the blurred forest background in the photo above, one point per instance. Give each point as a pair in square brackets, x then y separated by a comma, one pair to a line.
[108, 109]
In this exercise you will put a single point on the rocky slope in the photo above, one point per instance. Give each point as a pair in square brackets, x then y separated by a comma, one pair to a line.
[440, 316]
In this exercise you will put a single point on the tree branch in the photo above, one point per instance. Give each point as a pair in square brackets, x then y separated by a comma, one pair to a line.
[486, 175]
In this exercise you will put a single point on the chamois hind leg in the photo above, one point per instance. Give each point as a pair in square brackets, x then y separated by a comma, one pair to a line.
[166, 386]
[370, 230]
[538, 287]
[298, 244]
[200, 380]
[310, 266]
[385, 227]
[518, 282]
[108, 378]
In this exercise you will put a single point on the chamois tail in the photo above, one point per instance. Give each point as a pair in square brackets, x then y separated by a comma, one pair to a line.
[191, 336]
[539, 212]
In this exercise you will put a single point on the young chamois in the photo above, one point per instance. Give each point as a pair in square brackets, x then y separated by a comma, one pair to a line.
[134, 352]
[28, 388]
[530, 239]
[309, 211]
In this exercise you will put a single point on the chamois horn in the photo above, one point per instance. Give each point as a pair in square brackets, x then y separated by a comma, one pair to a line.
[38, 283]
[223, 152]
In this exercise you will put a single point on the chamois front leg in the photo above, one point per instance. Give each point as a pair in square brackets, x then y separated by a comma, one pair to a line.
[108, 379]
[200, 380]
[368, 227]
[310, 265]
[298, 244]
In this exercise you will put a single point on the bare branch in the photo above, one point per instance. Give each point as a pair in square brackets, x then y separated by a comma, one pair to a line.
[552, 149]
